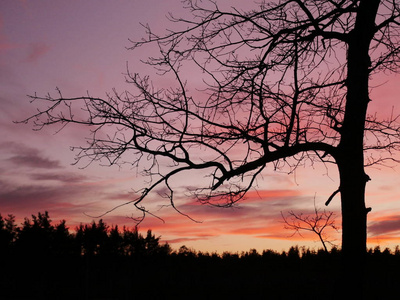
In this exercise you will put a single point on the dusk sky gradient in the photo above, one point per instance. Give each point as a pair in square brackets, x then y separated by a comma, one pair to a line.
[81, 47]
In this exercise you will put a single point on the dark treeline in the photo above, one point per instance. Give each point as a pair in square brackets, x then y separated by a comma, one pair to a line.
[40, 260]
[37, 236]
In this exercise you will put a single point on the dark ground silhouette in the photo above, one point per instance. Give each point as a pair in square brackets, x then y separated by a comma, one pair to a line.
[44, 261]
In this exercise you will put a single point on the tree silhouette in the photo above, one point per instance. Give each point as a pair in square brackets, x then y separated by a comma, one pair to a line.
[114, 245]
[133, 242]
[35, 238]
[173, 273]
[95, 238]
[317, 223]
[285, 84]
[78, 240]
[8, 234]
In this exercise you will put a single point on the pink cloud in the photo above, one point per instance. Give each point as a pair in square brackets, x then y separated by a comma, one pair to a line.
[384, 239]
[5, 44]
[36, 51]
[184, 240]
[266, 195]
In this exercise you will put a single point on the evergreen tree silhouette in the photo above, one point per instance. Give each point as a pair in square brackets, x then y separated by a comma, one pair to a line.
[8, 232]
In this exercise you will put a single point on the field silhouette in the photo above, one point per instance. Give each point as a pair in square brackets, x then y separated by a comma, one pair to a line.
[44, 261]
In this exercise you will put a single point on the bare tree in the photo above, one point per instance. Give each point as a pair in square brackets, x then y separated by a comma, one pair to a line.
[285, 83]
[317, 223]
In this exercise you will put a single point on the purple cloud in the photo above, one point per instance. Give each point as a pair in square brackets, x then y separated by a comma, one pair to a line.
[36, 51]
[34, 161]
[63, 201]
[61, 177]
[385, 226]
[24, 156]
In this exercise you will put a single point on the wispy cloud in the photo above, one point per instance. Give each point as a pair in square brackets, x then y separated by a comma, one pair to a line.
[15, 196]
[184, 240]
[390, 225]
[268, 195]
[25, 156]
[5, 44]
[34, 160]
[64, 200]
[60, 177]
[36, 51]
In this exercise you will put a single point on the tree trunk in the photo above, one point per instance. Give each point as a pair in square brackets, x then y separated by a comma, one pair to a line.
[354, 226]
[350, 157]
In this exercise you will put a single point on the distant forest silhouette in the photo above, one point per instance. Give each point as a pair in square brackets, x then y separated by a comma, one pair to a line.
[97, 261]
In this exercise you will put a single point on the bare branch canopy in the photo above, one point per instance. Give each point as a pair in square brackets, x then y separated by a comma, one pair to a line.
[276, 86]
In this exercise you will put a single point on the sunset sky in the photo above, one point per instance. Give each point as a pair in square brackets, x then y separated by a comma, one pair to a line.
[81, 46]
